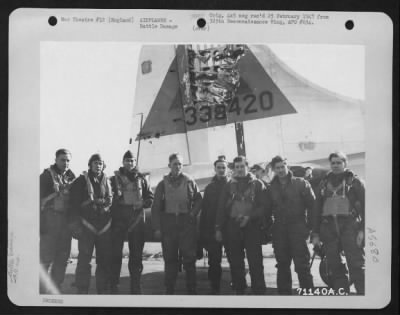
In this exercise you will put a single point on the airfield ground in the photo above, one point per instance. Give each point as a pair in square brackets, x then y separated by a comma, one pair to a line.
[153, 274]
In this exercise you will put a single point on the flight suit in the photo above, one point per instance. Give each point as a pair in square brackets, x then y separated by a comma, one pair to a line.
[91, 198]
[340, 215]
[177, 202]
[55, 236]
[132, 194]
[244, 196]
[292, 208]
[208, 215]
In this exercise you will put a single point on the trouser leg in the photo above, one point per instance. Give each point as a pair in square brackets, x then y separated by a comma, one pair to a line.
[62, 254]
[103, 261]
[83, 269]
[47, 251]
[280, 243]
[226, 246]
[214, 250]
[136, 244]
[188, 249]
[170, 245]
[252, 243]
[48, 244]
[236, 254]
[298, 235]
[354, 256]
[332, 248]
[118, 237]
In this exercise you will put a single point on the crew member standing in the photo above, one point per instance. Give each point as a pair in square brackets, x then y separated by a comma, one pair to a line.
[292, 200]
[308, 175]
[132, 194]
[208, 215]
[55, 237]
[340, 223]
[91, 197]
[177, 202]
[241, 210]
[260, 173]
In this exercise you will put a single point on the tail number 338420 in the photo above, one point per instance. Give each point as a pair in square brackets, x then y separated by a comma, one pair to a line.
[248, 104]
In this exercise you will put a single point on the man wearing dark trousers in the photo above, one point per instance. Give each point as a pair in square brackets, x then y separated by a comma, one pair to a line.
[241, 210]
[177, 202]
[292, 204]
[91, 197]
[55, 236]
[339, 223]
[208, 215]
[132, 194]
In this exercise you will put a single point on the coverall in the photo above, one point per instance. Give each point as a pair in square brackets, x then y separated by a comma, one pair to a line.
[208, 216]
[338, 231]
[55, 236]
[177, 202]
[292, 206]
[132, 194]
[91, 199]
[244, 196]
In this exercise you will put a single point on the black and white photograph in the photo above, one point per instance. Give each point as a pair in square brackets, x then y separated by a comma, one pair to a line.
[202, 116]
[202, 168]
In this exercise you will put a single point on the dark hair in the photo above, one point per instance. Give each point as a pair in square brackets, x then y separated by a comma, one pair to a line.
[174, 156]
[96, 157]
[277, 159]
[256, 167]
[221, 159]
[240, 158]
[62, 151]
[338, 154]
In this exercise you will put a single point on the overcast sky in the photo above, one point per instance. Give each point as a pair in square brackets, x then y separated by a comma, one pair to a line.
[88, 90]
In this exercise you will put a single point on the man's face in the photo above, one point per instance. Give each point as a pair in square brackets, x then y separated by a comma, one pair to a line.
[281, 169]
[129, 163]
[337, 165]
[97, 166]
[220, 169]
[259, 173]
[176, 166]
[240, 169]
[269, 174]
[62, 162]
[308, 173]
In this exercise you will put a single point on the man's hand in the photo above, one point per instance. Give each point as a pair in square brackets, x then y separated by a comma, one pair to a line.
[243, 222]
[138, 204]
[157, 235]
[76, 229]
[239, 218]
[315, 240]
[218, 236]
[360, 238]
[191, 218]
[147, 203]
[99, 201]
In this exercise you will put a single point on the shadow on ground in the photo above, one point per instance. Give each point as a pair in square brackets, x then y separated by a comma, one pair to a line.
[153, 284]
